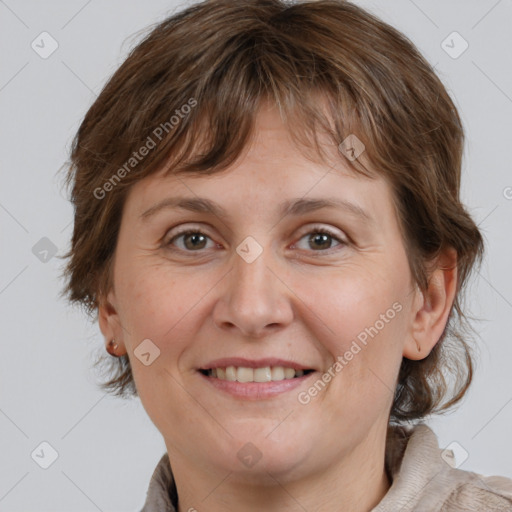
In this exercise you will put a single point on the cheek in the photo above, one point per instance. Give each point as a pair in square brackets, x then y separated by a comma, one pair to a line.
[354, 306]
[169, 308]
[155, 298]
[361, 324]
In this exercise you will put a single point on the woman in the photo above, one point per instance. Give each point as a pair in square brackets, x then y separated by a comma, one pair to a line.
[268, 227]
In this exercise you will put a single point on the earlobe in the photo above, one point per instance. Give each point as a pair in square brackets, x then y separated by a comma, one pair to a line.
[109, 323]
[434, 309]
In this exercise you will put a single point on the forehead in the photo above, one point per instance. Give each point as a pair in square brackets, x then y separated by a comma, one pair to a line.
[271, 170]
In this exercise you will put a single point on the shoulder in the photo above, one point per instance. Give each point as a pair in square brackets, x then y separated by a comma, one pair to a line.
[478, 492]
[424, 478]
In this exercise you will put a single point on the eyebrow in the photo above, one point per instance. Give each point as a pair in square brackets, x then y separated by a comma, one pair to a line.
[294, 207]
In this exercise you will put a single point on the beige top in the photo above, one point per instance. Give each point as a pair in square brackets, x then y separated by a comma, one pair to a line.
[422, 480]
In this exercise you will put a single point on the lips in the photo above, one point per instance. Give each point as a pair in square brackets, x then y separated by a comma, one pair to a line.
[254, 363]
[254, 370]
[246, 383]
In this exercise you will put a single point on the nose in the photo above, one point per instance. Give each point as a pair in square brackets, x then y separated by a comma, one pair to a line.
[254, 298]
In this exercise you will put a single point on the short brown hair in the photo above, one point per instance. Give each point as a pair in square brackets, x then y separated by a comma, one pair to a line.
[229, 55]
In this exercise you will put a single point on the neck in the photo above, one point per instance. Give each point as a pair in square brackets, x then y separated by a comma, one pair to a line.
[356, 482]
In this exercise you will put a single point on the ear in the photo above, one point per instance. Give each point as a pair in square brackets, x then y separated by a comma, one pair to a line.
[433, 307]
[110, 324]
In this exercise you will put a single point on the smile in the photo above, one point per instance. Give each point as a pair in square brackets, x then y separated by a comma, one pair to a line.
[264, 374]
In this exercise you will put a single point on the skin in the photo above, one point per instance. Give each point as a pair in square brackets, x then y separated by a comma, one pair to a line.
[299, 300]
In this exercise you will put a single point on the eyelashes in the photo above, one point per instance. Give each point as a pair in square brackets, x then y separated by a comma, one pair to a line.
[313, 233]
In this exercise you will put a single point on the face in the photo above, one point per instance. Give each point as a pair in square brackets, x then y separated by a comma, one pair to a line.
[257, 284]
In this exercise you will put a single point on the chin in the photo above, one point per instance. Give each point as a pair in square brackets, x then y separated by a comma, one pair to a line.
[260, 455]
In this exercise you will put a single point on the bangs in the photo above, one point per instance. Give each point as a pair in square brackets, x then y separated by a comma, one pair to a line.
[229, 81]
[217, 137]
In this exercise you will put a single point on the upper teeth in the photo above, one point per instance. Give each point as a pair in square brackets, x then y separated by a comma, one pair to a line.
[266, 374]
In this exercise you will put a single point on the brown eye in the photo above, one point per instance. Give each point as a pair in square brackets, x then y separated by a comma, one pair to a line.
[320, 240]
[192, 240]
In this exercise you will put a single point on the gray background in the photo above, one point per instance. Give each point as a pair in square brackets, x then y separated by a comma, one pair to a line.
[107, 448]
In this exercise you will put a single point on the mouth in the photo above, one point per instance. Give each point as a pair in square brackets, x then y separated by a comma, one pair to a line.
[255, 379]
[261, 375]
[264, 383]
